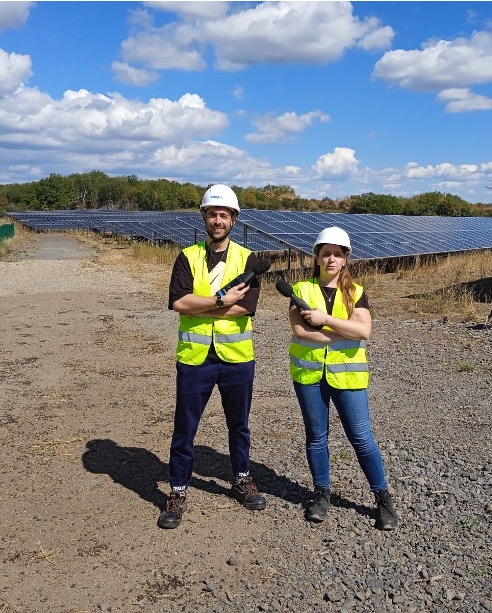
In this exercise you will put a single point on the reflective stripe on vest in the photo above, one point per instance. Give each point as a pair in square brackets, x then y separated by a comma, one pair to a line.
[305, 364]
[334, 346]
[232, 336]
[189, 337]
[343, 362]
[336, 368]
[202, 339]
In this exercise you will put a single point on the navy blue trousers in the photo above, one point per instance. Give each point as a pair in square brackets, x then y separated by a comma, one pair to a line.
[194, 386]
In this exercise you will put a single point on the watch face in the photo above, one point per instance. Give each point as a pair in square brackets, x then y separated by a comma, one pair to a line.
[219, 302]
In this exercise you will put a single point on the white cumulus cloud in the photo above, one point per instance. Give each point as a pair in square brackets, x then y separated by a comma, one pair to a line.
[15, 69]
[283, 127]
[459, 100]
[439, 64]
[170, 47]
[275, 32]
[289, 32]
[133, 76]
[193, 10]
[337, 165]
[444, 170]
[84, 121]
[14, 14]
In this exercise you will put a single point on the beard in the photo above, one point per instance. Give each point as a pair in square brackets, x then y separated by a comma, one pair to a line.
[221, 237]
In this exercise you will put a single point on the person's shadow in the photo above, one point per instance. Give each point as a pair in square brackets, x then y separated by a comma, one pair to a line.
[140, 471]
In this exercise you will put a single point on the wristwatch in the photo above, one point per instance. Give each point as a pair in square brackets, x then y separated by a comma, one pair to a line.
[219, 302]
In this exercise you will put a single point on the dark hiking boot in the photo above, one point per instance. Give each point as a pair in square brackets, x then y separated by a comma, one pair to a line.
[246, 492]
[318, 505]
[385, 513]
[175, 507]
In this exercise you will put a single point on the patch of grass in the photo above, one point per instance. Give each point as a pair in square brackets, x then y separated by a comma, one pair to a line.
[344, 454]
[465, 367]
[481, 571]
[465, 525]
[154, 254]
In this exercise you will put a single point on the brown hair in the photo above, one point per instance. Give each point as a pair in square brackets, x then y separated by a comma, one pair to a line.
[345, 283]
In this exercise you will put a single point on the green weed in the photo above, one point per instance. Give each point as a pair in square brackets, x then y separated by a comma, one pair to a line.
[465, 525]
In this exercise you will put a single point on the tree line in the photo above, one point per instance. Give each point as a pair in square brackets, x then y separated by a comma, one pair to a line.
[95, 189]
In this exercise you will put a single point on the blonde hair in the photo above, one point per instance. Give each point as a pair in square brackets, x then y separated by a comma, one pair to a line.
[345, 282]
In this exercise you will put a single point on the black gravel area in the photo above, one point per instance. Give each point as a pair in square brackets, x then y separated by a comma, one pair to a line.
[431, 393]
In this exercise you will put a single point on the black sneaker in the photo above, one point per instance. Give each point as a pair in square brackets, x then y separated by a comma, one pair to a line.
[175, 507]
[246, 492]
[385, 513]
[318, 505]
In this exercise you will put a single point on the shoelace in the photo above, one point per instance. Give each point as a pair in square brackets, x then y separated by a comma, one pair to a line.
[174, 503]
[385, 502]
[318, 496]
[249, 487]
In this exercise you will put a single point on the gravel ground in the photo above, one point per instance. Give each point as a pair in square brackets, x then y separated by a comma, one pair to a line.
[87, 389]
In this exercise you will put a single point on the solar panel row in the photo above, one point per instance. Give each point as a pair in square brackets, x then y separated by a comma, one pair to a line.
[372, 236]
[377, 236]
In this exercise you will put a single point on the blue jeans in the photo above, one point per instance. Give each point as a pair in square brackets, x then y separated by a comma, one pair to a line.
[353, 410]
[194, 386]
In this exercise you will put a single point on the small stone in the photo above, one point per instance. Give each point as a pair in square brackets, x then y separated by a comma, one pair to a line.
[333, 596]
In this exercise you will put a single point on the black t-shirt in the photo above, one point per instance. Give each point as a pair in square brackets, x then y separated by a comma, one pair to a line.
[181, 282]
[329, 296]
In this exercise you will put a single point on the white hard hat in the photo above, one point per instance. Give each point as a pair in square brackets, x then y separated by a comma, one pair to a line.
[333, 236]
[220, 195]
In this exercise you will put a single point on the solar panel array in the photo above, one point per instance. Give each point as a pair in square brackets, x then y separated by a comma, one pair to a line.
[182, 228]
[372, 236]
[377, 236]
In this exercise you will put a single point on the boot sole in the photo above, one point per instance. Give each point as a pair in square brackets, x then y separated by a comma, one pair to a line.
[258, 506]
[171, 522]
[251, 506]
[386, 527]
[169, 525]
[315, 518]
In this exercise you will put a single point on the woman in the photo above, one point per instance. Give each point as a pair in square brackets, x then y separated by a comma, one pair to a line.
[328, 363]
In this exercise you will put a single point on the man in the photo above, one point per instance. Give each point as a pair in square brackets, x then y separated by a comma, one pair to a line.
[214, 348]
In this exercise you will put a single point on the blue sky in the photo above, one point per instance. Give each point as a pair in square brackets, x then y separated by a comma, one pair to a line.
[331, 98]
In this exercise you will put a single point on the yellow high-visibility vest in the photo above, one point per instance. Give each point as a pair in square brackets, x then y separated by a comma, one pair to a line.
[232, 337]
[344, 362]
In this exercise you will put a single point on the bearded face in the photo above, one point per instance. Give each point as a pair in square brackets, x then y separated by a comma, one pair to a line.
[219, 222]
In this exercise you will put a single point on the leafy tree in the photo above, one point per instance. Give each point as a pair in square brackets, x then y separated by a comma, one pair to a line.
[86, 189]
[423, 204]
[376, 203]
[54, 192]
[111, 194]
[133, 180]
[437, 203]
[328, 204]
[247, 198]
[146, 197]
[22, 197]
[188, 197]
[96, 189]
[453, 206]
